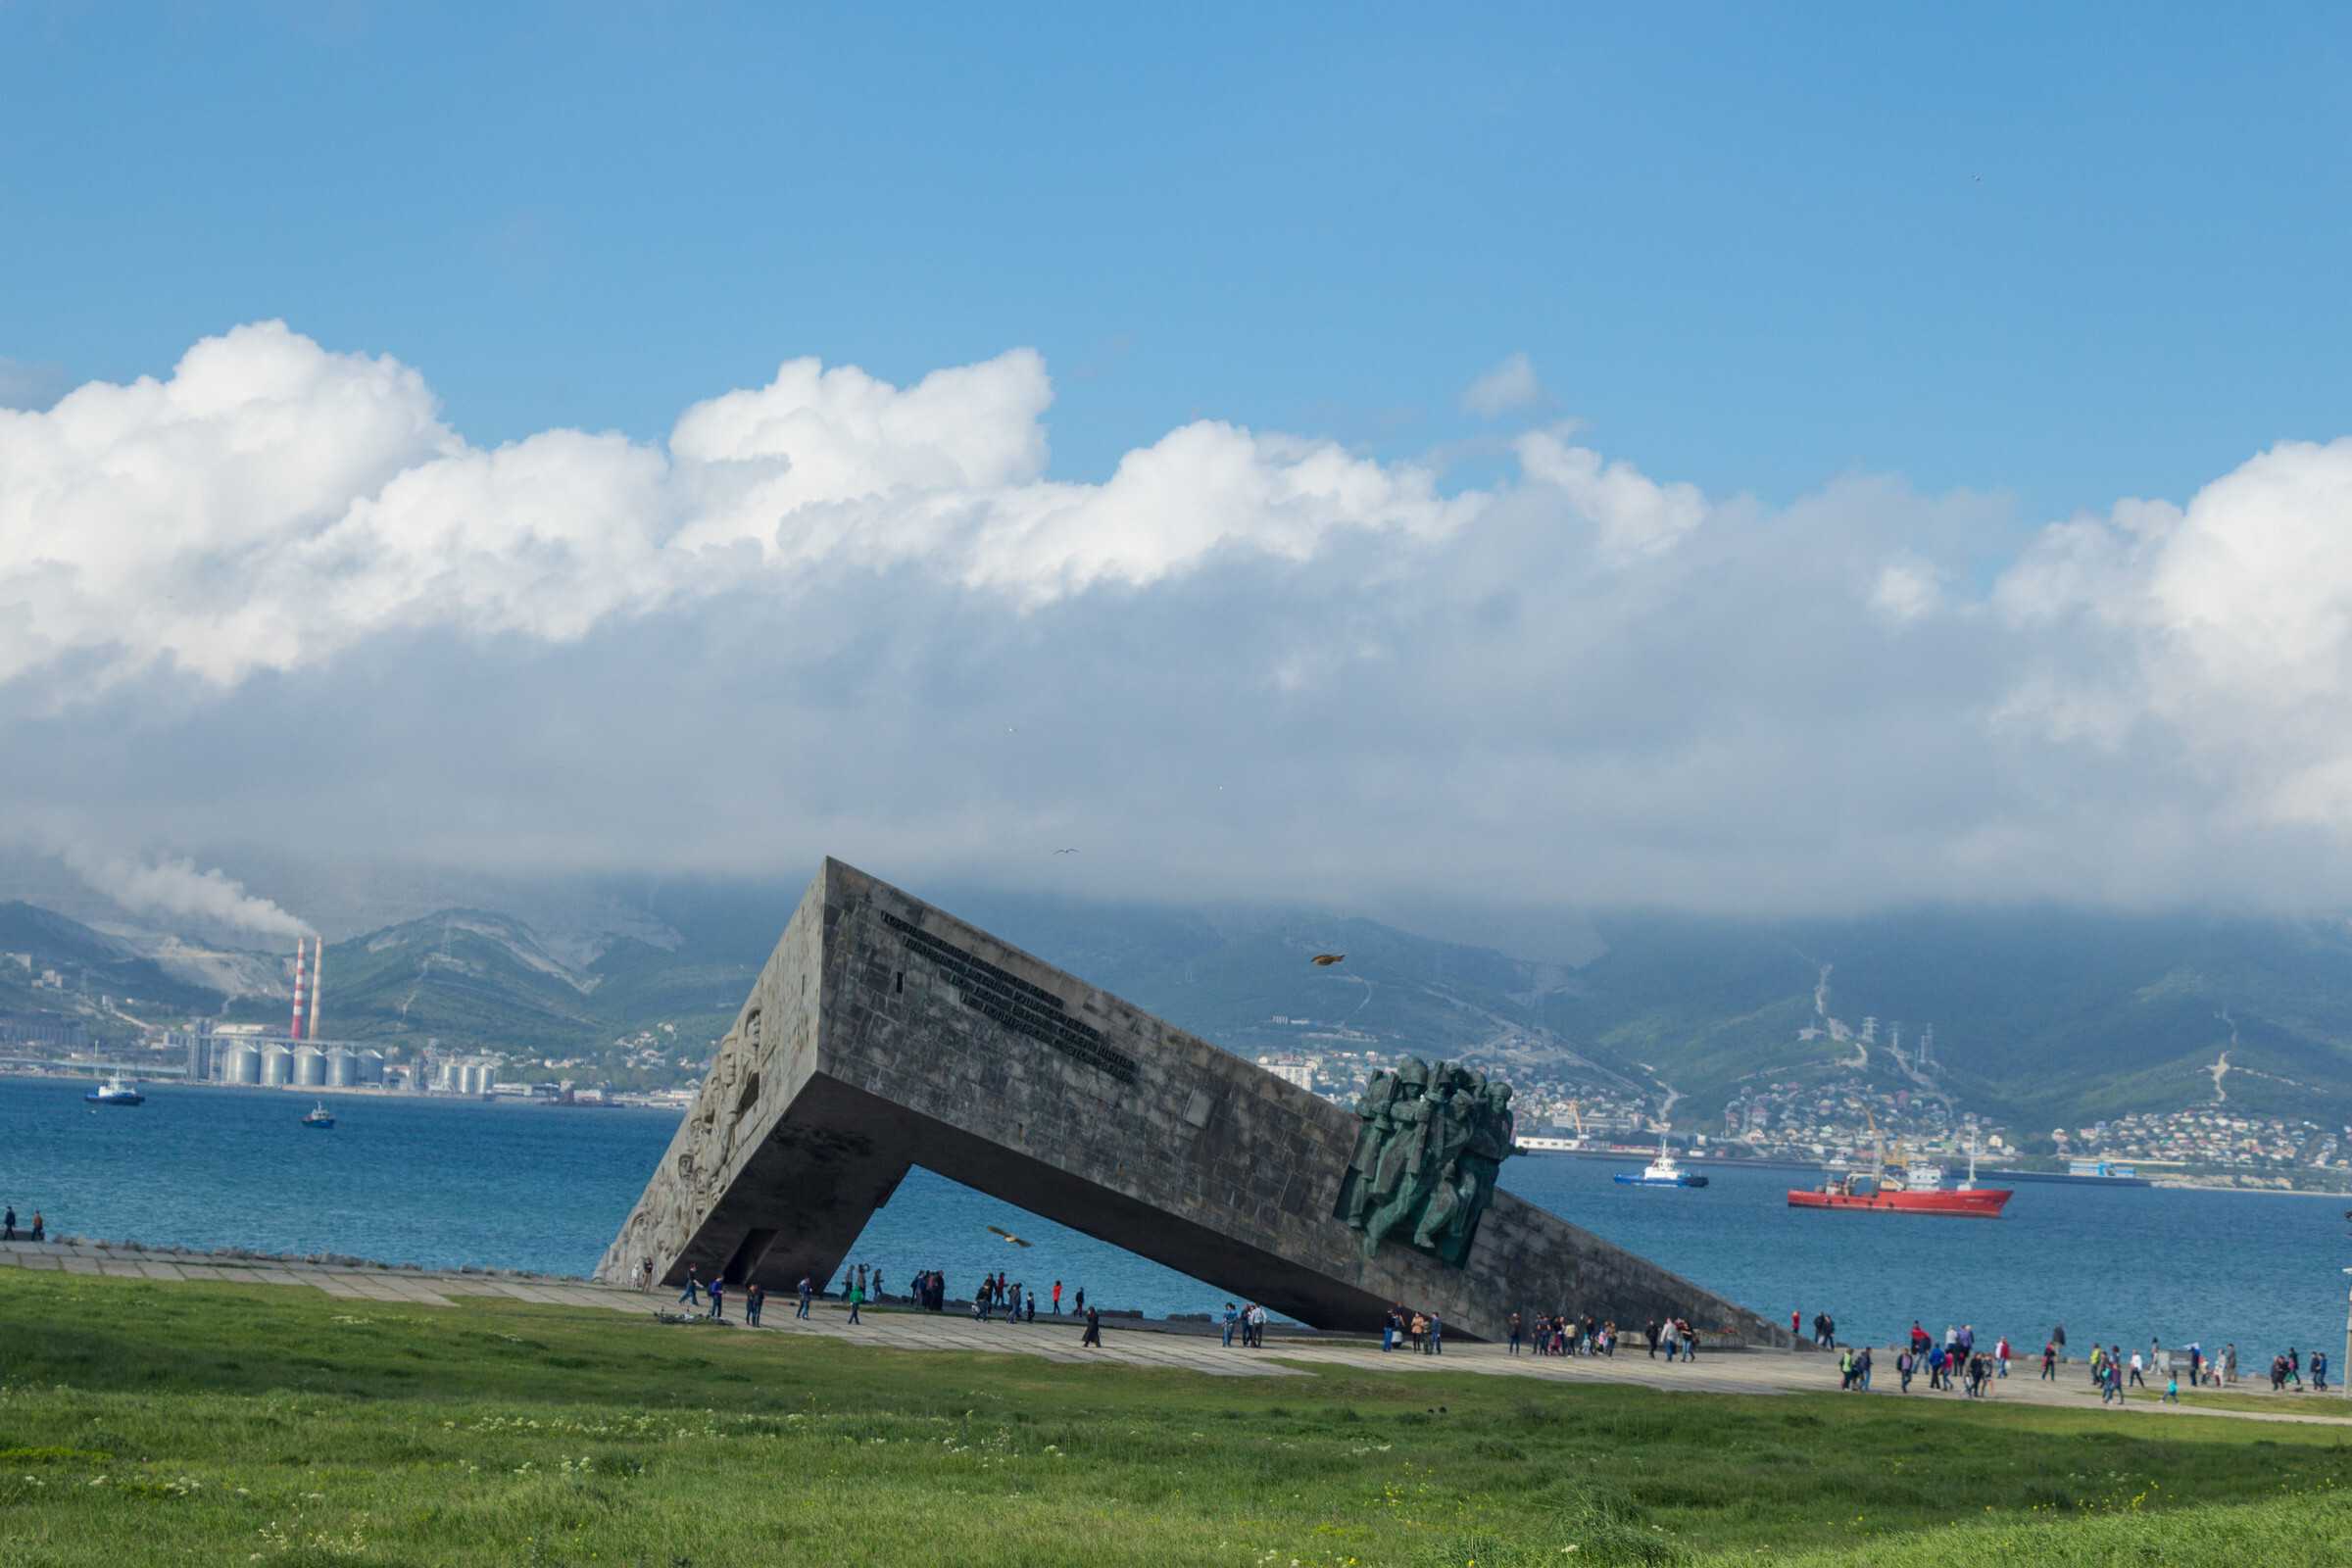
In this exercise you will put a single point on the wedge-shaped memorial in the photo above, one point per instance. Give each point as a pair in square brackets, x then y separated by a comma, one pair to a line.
[884, 1033]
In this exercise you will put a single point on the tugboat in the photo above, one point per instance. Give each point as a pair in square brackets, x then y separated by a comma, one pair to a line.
[114, 1091]
[320, 1116]
[1661, 1172]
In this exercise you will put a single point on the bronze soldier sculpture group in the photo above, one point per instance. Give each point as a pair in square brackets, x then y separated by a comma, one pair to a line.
[1433, 1140]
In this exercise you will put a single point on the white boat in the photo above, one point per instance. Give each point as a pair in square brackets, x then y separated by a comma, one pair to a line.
[1661, 1172]
[114, 1091]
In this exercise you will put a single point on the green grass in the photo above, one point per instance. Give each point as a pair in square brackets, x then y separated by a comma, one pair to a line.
[145, 1423]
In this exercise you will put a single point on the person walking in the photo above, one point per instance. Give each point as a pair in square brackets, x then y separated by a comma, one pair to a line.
[1232, 1316]
[807, 1289]
[1057, 1299]
[692, 1295]
[1905, 1368]
[1845, 1369]
[2049, 1361]
[2000, 1355]
[1650, 1332]
[646, 1283]
[1420, 1333]
[753, 1298]
[8, 1224]
[857, 1300]
[1437, 1335]
[1079, 1300]
[40, 1227]
[2136, 1378]
[2294, 1367]
[2318, 1371]
[1515, 1327]
[718, 1298]
[1793, 1320]
[2172, 1388]
[1029, 1307]
[1093, 1330]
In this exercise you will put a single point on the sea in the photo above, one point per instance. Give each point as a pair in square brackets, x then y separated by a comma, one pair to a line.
[446, 1183]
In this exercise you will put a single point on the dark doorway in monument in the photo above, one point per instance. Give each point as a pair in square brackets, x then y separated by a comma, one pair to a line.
[934, 1223]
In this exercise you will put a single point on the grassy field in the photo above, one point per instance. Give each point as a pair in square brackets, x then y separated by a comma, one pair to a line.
[198, 1424]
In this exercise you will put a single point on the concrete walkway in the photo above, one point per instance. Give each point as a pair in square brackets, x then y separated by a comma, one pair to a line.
[1183, 1347]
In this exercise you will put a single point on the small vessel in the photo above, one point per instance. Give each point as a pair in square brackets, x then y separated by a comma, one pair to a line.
[1661, 1172]
[114, 1091]
[320, 1116]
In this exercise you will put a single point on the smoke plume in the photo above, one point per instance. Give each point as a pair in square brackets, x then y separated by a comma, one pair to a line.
[174, 886]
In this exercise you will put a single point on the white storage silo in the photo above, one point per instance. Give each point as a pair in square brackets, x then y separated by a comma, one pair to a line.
[310, 1066]
[342, 1067]
[277, 1064]
[243, 1065]
[371, 1066]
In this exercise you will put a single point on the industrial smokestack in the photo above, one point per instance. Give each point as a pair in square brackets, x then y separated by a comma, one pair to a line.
[294, 1029]
[317, 963]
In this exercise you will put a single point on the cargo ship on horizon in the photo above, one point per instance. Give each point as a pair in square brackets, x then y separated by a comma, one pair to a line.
[1876, 1190]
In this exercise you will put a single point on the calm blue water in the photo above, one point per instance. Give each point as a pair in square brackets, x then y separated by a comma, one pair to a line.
[541, 1188]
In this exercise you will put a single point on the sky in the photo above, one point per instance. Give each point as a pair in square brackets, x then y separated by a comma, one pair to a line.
[1703, 458]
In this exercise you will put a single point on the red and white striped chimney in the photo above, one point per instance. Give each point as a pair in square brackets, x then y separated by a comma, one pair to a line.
[294, 1030]
[317, 969]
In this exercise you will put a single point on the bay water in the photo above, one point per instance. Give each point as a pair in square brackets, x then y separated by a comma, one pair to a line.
[543, 1188]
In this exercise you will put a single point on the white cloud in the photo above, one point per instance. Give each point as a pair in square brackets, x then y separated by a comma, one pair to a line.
[833, 614]
[272, 504]
[1906, 590]
[1636, 515]
[1510, 385]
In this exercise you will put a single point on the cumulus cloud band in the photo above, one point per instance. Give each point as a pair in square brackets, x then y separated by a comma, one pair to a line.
[831, 614]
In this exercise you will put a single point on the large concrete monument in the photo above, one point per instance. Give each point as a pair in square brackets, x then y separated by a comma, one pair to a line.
[885, 1033]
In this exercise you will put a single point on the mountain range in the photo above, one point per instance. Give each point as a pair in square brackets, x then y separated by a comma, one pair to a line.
[2042, 1016]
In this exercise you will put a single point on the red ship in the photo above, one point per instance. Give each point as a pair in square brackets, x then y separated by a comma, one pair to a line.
[1891, 1197]
[1881, 1193]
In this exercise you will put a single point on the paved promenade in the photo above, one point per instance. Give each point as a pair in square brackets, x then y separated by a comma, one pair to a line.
[1183, 1349]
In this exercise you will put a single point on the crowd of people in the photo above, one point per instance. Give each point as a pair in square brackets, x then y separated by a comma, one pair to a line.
[1953, 1363]
[1956, 1363]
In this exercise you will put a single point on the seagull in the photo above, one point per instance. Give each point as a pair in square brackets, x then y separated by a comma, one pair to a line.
[1009, 1236]
[1324, 960]
[1066, 851]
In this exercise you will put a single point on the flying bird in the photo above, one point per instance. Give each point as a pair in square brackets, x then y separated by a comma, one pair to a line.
[1324, 960]
[1009, 1236]
[1066, 851]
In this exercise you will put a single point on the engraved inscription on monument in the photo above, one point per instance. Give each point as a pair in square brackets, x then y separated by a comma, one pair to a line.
[1432, 1144]
[1014, 1003]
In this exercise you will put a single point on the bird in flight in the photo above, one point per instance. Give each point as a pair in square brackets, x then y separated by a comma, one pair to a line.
[1066, 851]
[1009, 1236]
[1324, 960]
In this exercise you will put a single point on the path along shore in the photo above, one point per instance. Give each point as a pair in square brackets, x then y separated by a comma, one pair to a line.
[1180, 1347]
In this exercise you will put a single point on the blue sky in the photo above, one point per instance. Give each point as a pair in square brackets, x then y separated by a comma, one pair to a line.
[1801, 574]
[2070, 258]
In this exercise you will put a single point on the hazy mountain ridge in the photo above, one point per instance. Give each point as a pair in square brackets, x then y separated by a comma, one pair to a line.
[2043, 1018]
